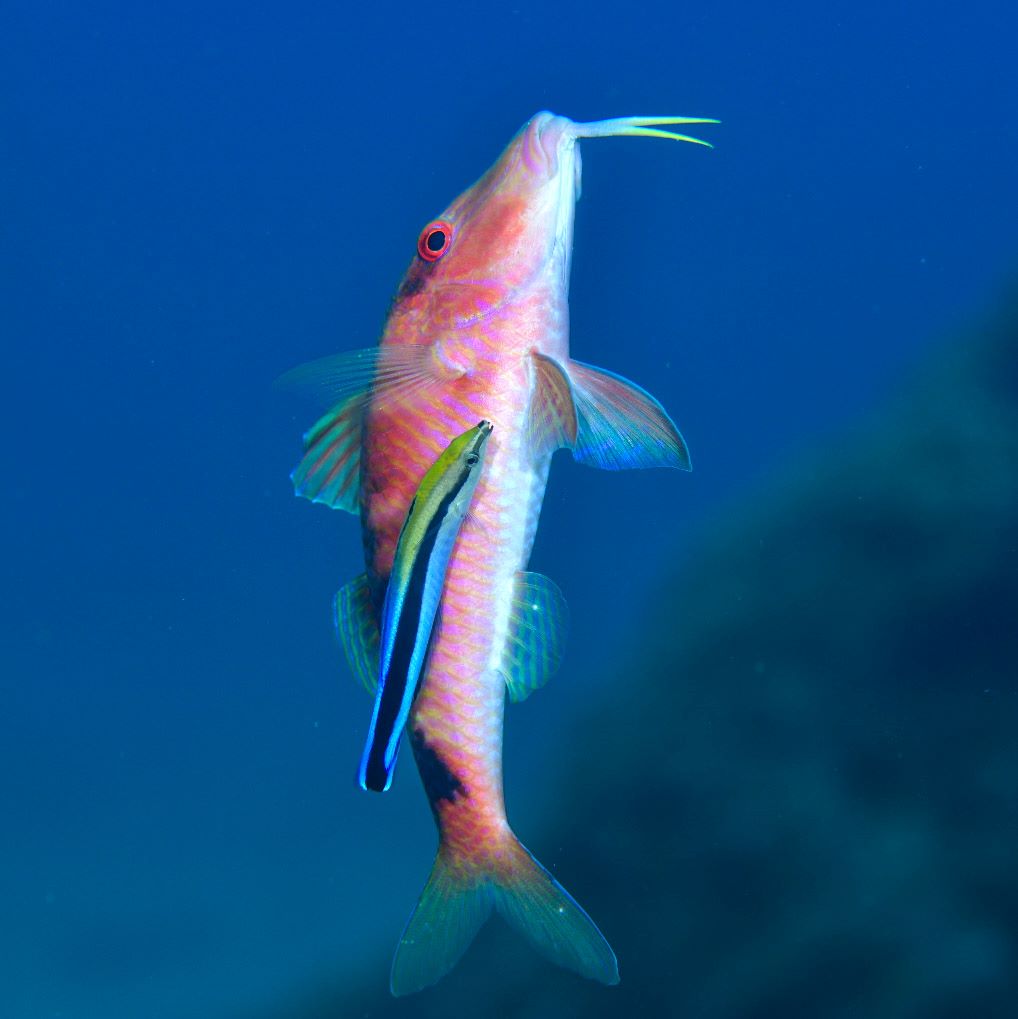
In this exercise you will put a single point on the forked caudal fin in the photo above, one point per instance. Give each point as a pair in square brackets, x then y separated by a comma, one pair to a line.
[459, 897]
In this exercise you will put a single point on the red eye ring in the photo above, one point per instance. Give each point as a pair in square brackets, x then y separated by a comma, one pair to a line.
[434, 240]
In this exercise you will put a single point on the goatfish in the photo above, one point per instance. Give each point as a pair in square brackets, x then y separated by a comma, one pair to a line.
[412, 597]
[478, 329]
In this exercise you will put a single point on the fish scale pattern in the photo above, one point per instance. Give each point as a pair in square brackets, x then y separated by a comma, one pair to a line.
[458, 712]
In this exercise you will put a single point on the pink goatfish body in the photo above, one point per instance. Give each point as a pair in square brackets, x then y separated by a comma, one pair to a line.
[479, 331]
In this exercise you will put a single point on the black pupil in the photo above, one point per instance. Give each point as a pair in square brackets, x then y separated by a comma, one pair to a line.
[471, 459]
[436, 240]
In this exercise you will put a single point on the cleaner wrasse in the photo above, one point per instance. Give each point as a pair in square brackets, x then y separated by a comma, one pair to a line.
[478, 329]
[413, 594]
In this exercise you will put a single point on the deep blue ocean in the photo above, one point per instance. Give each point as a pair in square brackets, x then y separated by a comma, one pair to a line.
[195, 198]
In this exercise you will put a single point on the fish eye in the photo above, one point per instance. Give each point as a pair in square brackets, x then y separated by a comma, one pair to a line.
[472, 459]
[434, 241]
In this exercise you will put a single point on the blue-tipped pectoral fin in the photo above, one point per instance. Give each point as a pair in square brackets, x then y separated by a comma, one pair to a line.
[606, 420]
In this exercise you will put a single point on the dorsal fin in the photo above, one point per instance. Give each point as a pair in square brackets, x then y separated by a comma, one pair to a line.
[329, 471]
[538, 627]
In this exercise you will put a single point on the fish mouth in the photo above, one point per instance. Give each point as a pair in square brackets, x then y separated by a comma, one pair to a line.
[549, 132]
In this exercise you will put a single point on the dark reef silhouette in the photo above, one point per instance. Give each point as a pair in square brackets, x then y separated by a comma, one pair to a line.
[804, 799]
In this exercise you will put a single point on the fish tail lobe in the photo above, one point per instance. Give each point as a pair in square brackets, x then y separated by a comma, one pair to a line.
[535, 905]
[459, 898]
[451, 910]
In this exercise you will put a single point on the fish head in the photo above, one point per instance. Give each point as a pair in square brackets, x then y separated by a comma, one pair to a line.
[513, 229]
[516, 222]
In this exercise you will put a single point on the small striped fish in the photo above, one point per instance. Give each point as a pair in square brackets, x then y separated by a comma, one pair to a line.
[412, 597]
[479, 330]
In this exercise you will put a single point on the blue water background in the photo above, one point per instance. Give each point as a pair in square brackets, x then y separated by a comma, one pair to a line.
[195, 198]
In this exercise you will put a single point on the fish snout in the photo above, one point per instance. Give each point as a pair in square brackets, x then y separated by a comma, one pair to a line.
[547, 135]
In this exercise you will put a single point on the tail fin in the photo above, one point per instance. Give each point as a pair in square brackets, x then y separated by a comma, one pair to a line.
[458, 899]
[451, 910]
[537, 906]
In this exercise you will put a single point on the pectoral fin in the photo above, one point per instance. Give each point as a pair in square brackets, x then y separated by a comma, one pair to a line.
[618, 425]
[537, 634]
[553, 422]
